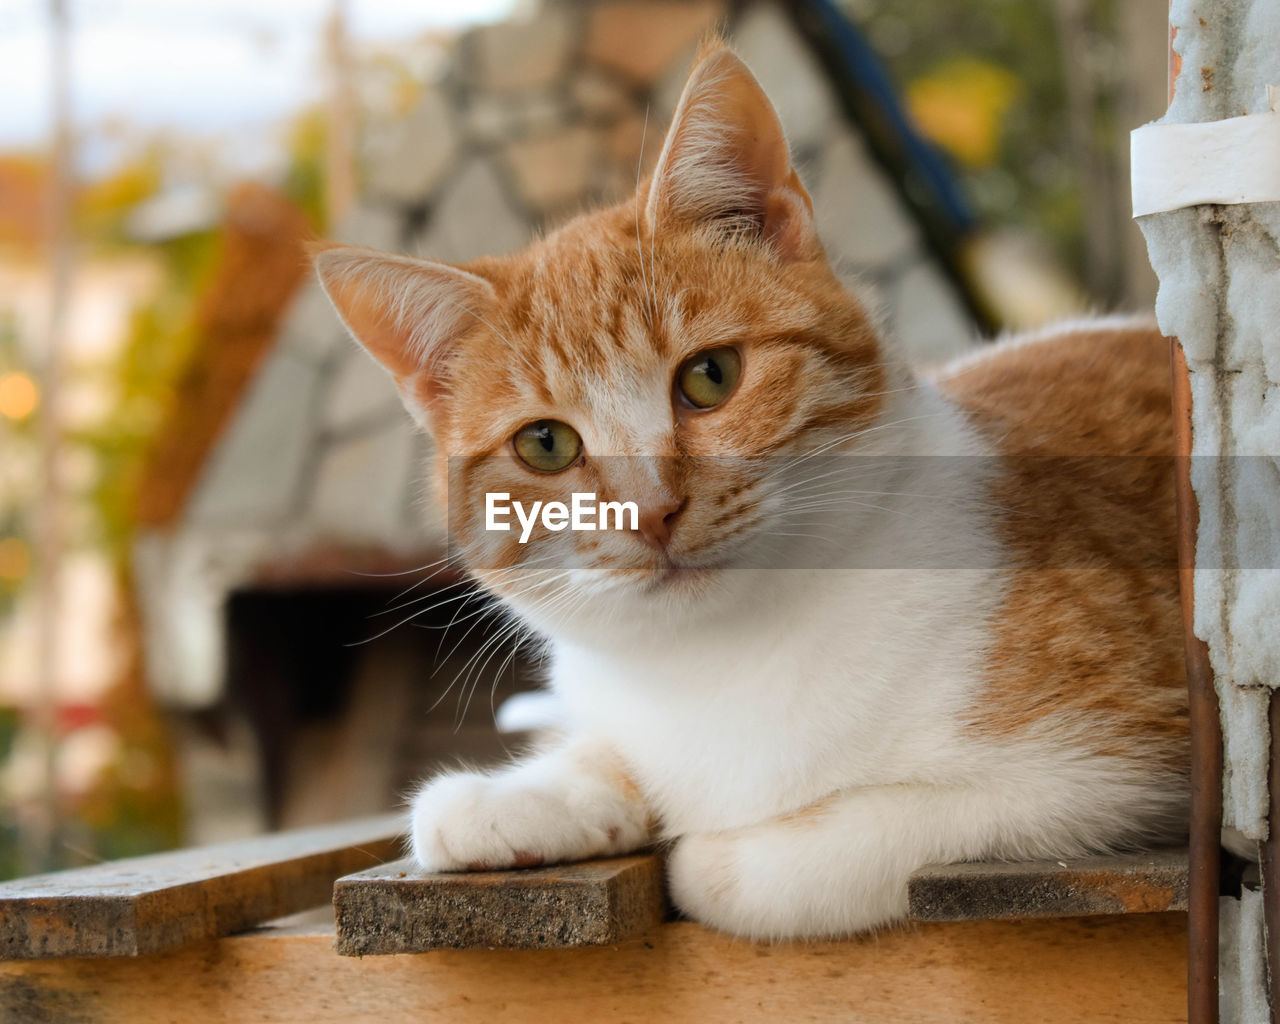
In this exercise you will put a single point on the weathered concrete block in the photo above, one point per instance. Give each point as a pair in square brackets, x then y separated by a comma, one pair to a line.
[633, 145]
[1139, 883]
[540, 112]
[359, 488]
[859, 215]
[392, 909]
[929, 320]
[524, 53]
[374, 226]
[555, 170]
[598, 95]
[145, 904]
[491, 119]
[473, 218]
[361, 390]
[406, 160]
[495, 120]
[311, 328]
[253, 475]
[666, 92]
[783, 63]
[640, 38]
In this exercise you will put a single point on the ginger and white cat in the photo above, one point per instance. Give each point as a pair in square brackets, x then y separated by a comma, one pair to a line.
[867, 622]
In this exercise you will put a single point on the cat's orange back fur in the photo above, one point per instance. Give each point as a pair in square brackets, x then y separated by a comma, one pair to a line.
[1090, 631]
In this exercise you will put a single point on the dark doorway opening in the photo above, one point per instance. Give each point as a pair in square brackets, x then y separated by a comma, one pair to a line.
[355, 694]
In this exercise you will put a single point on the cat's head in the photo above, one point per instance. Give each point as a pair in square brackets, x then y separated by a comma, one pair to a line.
[678, 350]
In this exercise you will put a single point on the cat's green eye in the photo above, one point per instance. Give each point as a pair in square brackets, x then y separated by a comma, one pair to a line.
[548, 445]
[708, 378]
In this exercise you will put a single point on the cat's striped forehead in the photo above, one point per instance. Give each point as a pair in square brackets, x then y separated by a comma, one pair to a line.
[593, 312]
[591, 324]
[583, 309]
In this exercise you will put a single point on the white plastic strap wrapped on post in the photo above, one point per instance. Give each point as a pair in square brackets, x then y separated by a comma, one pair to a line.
[1232, 161]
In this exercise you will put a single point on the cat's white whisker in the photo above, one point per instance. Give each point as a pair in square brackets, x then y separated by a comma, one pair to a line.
[514, 592]
[476, 668]
[645, 284]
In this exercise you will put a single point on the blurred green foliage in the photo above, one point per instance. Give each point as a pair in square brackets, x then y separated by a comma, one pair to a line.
[102, 206]
[1030, 175]
[134, 807]
[14, 517]
[9, 853]
[157, 348]
[304, 180]
[161, 336]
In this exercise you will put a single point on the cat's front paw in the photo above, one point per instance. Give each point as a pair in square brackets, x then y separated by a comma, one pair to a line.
[471, 822]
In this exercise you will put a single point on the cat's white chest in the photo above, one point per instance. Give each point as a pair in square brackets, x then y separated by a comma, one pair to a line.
[799, 683]
[829, 691]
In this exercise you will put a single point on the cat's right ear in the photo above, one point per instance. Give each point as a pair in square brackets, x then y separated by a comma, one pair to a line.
[407, 313]
[725, 163]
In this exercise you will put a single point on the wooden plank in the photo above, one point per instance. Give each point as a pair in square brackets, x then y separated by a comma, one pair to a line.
[1133, 884]
[1120, 970]
[394, 909]
[144, 904]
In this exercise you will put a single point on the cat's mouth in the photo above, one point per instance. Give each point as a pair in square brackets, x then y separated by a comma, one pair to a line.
[674, 575]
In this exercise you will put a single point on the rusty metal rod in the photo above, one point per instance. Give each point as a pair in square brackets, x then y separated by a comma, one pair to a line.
[1206, 734]
[1205, 856]
[1271, 860]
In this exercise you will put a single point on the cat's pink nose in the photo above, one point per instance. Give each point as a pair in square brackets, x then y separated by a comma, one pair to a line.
[656, 521]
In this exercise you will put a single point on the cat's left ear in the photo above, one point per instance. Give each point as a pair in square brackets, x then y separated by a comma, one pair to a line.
[725, 163]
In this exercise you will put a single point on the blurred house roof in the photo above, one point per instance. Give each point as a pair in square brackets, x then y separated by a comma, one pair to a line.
[176, 211]
[259, 267]
[23, 195]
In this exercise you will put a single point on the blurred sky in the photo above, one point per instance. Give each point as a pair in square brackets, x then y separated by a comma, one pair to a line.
[201, 66]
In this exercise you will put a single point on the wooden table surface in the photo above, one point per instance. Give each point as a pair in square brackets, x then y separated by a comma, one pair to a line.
[1120, 970]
